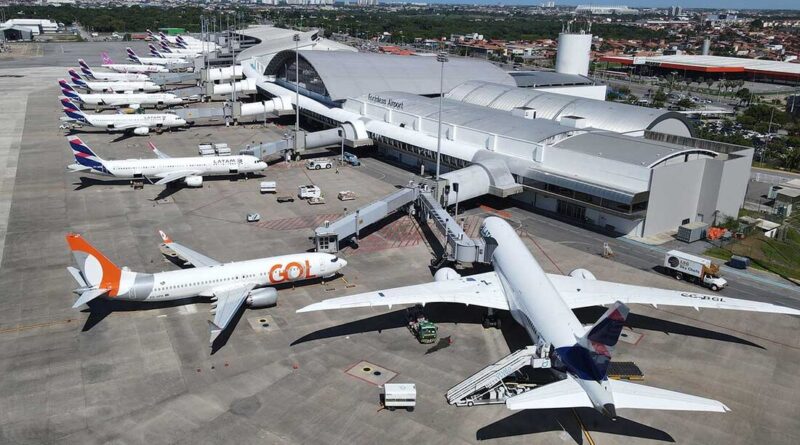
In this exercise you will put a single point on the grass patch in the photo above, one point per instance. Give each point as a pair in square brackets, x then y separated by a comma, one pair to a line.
[776, 256]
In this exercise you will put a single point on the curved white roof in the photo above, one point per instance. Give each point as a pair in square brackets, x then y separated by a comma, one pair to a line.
[611, 116]
[349, 74]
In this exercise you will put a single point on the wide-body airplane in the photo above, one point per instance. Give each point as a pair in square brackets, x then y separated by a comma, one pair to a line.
[543, 303]
[229, 285]
[142, 86]
[114, 76]
[131, 67]
[132, 100]
[137, 123]
[163, 169]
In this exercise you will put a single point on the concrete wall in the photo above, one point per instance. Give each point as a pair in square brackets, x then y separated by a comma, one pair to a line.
[674, 195]
[733, 184]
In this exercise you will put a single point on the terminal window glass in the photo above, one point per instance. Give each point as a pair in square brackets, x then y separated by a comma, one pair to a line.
[309, 79]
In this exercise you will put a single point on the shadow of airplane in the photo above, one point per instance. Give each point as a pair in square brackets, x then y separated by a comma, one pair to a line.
[100, 308]
[567, 420]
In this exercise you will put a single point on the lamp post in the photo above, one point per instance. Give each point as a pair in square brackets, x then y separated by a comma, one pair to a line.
[296, 39]
[441, 58]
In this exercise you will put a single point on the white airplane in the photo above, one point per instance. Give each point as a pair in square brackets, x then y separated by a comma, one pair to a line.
[169, 63]
[172, 56]
[182, 41]
[184, 52]
[163, 169]
[111, 99]
[139, 124]
[543, 303]
[229, 285]
[117, 86]
[96, 75]
[131, 67]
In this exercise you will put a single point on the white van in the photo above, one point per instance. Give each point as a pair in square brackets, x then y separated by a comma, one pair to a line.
[400, 395]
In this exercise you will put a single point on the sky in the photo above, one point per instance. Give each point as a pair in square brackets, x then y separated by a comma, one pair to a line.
[708, 4]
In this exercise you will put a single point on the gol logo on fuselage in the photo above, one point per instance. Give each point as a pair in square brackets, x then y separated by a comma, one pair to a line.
[293, 271]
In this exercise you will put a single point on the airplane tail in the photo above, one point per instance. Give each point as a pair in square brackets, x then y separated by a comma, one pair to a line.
[74, 74]
[72, 110]
[132, 55]
[165, 47]
[84, 155]
[151, 35]
[85, 69]
[68, 91]
[98, 272]
[106, 60]
[180, 43]
[163, 36]
[590, 356]
[154, 52]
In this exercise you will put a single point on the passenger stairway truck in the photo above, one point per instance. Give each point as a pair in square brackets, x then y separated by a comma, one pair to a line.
[487, 386]
[693, 268]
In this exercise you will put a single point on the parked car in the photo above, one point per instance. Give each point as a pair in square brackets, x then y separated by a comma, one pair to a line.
[351, 159]
[253, 217]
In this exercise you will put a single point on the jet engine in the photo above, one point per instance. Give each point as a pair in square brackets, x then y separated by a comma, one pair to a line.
[445, 274]
[265, 297]
[582, 273]
[134, 106]
[141, 131]
[194, 181]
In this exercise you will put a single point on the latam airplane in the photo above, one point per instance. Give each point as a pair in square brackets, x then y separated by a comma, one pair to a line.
[181, 41]
[96, 75]
[228, 285]
[163, 169]
[184, 52]
[111, 99]
[543, 303]
[169, 63]
[138, 124]
[173, 56]
[131, 67]
[142, 86]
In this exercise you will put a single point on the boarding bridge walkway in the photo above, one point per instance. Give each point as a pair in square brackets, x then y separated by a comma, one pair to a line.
[328, 236]
[473, 391]
[173, 78]
[459, 247]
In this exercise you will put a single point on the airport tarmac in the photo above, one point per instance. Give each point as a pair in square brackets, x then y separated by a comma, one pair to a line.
[148, 376]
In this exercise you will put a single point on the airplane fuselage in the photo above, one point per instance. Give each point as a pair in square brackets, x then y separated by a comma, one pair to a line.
[135, 68]
[536, 304]
[203, 281]
[205, 166]
[131, 121]
[120, 77]
[130, 99]
[144, 86]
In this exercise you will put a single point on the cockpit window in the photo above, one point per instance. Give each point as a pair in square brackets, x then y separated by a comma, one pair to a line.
[335, 259]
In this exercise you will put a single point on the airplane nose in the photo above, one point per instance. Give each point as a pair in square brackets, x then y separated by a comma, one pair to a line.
[342, 263]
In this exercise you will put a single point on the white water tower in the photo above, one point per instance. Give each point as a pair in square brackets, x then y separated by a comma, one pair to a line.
[574, 51]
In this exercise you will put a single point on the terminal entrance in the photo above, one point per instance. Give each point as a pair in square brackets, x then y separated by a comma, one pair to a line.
[571, 210]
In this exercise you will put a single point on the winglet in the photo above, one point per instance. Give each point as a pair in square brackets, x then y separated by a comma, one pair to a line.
[164, 237]
[157, 151]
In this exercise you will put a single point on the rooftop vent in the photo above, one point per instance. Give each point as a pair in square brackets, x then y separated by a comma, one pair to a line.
[574, 121]
[526, 112]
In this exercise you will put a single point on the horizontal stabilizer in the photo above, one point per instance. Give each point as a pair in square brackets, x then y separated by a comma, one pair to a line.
[632, 395]
[214, 331]
[565, 393]
[88, 296]
[77, 276]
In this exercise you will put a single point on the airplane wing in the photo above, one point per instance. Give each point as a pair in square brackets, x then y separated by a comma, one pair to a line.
[228, 302]
[190, 256]
[479, 290]
[633, 395]
[580, 292]
[565, 393]
[568, 393]
[174, 176]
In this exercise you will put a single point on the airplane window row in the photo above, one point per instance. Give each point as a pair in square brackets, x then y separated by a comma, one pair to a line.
[197, 283]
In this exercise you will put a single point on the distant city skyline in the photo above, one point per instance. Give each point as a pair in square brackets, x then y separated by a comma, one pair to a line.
[704, 4]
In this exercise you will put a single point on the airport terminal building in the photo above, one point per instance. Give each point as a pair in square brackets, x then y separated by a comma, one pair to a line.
[630, 170]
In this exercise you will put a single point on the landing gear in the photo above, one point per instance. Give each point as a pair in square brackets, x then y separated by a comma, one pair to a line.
[491, 320]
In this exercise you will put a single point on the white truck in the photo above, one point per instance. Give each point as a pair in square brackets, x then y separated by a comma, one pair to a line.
[693, 268]
[400, 395]
[319, 163]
